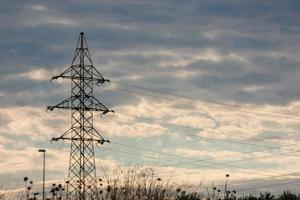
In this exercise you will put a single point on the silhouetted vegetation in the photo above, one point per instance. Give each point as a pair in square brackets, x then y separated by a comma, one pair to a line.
[143, 184]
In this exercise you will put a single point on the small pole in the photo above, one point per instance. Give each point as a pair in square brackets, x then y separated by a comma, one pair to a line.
[44, 162]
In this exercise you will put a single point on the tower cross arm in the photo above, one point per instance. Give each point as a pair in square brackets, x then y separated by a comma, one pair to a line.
[93, 75]
[95, 137]
[95, 106]
[100, 141]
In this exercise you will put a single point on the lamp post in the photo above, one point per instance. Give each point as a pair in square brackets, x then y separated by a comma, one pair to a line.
[44, 152]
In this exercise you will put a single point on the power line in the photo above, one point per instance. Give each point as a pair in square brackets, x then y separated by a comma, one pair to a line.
[156, 121]
[172, 94]
[30, 103]
[60, 94]
[147, 118]
[206, 161]
[149, 157]
[272, 185]
[198, 160]
[206, 166]
[193, 160]
[32, 86]
[168, 154]
[160, 92]
[202, 160]
[24, 88]
[206, 138]
[198, 129]
[172, 160]
[247, 159]
[241, 160]
[260, 179]
[238, 107]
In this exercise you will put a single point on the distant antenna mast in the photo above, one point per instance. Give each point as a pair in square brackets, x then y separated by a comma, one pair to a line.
[82, 179]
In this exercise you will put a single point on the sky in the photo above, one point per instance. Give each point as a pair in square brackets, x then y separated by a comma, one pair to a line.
[200, 89]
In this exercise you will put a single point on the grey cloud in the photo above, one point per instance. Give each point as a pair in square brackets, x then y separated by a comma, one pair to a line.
[265, 34]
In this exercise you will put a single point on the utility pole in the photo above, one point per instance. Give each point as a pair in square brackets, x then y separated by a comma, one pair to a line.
[44, 163]
[82, 180]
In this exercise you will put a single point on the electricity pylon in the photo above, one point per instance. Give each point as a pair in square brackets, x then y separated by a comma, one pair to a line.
[82, 179]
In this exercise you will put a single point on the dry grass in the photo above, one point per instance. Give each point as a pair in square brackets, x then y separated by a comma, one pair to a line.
[135, 184]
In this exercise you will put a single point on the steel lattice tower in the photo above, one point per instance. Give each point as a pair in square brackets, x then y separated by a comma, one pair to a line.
[82, 180]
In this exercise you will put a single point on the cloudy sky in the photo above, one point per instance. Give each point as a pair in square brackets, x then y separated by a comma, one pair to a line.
[200, 88]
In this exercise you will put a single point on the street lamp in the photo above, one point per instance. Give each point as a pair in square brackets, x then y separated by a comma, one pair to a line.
[44, 152]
